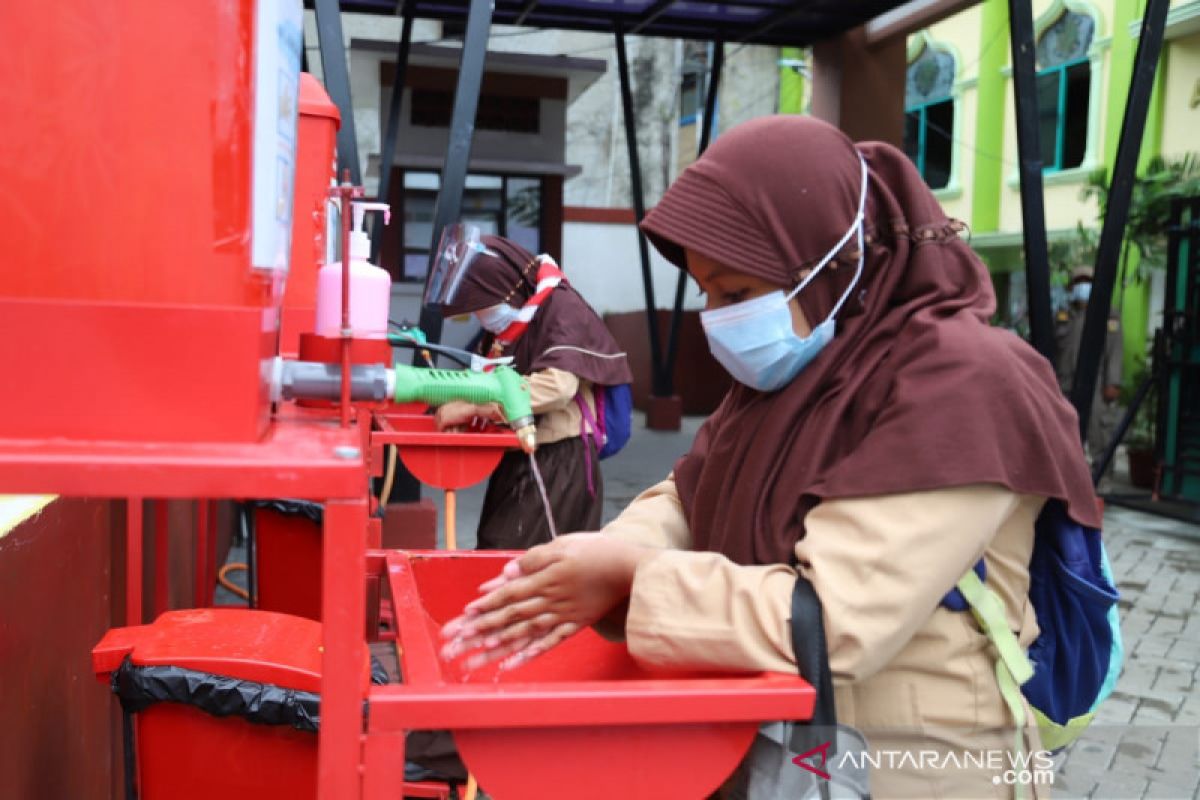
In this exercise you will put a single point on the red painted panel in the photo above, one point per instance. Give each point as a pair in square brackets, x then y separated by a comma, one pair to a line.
[131, 372]
[146, 168]
[56, 601]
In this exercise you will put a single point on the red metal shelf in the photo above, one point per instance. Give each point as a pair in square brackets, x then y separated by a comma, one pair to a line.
[303, 458]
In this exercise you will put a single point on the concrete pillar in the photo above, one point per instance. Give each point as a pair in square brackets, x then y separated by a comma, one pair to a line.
[860, 88]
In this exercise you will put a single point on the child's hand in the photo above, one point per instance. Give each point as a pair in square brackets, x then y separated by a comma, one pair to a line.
[543, 597]
[458, 413]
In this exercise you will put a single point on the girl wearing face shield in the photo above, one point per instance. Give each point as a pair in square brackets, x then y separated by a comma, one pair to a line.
[879, 440]
[529, 312]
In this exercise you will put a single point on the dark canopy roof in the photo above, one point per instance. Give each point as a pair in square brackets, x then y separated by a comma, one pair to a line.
[776, 22]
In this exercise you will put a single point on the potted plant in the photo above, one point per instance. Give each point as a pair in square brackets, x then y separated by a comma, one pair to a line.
[1162, 181]
[1139, 438]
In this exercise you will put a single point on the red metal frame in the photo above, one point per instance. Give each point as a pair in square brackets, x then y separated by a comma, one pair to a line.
[300, 457]
[162, 558]
[133, 558]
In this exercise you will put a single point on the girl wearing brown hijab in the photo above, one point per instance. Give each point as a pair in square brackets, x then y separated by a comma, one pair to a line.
[565, 351]
[880, 440]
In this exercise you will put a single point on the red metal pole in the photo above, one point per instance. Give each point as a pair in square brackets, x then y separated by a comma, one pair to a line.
[162, 560]
[347, 212]
[200, 588]
[383, 767]
[344, 653]
[133, 561]
[210, 533]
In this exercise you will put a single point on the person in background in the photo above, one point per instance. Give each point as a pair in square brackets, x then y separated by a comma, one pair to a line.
[880, 439]
[564, 349]
[1106, 407]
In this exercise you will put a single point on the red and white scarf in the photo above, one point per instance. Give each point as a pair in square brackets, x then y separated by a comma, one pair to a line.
[549, 276]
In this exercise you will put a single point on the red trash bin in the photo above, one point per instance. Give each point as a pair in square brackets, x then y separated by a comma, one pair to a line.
[258, 670]
[287, 562]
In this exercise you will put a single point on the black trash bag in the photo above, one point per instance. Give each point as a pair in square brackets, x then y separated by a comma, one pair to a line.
[304, 508]
[265, 704]
[140, 687]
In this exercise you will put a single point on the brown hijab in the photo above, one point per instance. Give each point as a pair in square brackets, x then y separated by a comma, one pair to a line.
[565, 332]
[916, 391]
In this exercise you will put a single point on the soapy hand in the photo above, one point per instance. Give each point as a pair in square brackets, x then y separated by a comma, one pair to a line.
[542, 598]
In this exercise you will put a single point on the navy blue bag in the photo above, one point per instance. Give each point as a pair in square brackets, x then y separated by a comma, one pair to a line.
[1074, 663]
[612, 425]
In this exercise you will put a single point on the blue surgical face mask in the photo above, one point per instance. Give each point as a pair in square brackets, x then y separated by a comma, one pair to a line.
[1080, 292]
[495, 319]
[755, 339]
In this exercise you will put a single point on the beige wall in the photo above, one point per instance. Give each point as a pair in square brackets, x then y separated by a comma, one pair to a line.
[1181, 97]
[1064, 207]
[960, 34]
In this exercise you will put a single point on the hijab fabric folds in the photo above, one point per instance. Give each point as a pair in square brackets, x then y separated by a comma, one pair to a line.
[565, 333]
[916, 392]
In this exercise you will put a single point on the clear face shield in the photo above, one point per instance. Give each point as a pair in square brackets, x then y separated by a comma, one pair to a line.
[458, 247]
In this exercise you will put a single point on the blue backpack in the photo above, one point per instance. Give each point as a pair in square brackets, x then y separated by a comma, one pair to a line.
[610, 428]
[1074, 663]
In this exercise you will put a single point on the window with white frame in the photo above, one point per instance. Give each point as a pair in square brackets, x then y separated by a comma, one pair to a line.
[929, 114]
[1064, 80]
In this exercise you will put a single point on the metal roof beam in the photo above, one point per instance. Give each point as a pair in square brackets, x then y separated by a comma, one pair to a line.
[650, 15]
[526, 10]
[1029, 164]
[1116, 212]
[911, 17]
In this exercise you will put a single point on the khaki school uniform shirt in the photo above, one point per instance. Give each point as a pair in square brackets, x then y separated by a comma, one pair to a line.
[552, 397]
[910, 673]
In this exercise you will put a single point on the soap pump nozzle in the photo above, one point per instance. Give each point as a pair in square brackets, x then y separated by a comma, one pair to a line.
[360, 243]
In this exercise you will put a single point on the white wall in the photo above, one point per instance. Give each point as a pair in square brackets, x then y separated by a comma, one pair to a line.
[602, 263]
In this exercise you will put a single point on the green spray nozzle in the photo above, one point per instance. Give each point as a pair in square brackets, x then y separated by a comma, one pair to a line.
[503, 385]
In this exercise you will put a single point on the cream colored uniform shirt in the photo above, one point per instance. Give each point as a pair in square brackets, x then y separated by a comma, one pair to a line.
[909, 672]
[552, 396]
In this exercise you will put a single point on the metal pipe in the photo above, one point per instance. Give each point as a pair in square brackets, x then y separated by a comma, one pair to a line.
[1033, 210]
[1116, 213]
[347, 210]
[387, 155]
[336, 76]
[133, 561]
[316, 380]
[708, 120]
[162, 556]
[659, 384]
[458, 151]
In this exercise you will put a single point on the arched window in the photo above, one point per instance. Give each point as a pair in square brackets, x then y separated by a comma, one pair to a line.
[1063, 89]
[929, 114]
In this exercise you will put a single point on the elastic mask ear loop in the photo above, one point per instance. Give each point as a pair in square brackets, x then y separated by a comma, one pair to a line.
[856, 228]
[862, 251]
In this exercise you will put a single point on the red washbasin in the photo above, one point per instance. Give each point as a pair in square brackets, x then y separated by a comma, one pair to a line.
[583, 721]
[445, 459]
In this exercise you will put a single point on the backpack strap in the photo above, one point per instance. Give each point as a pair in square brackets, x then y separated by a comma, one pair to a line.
[988, 609]
[591, 436]
[1013, 667]
[812, 661]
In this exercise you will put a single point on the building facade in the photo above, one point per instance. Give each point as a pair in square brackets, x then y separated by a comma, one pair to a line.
[961, 128]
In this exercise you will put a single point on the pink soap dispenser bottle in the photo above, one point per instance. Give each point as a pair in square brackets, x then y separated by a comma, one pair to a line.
[370, 286]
